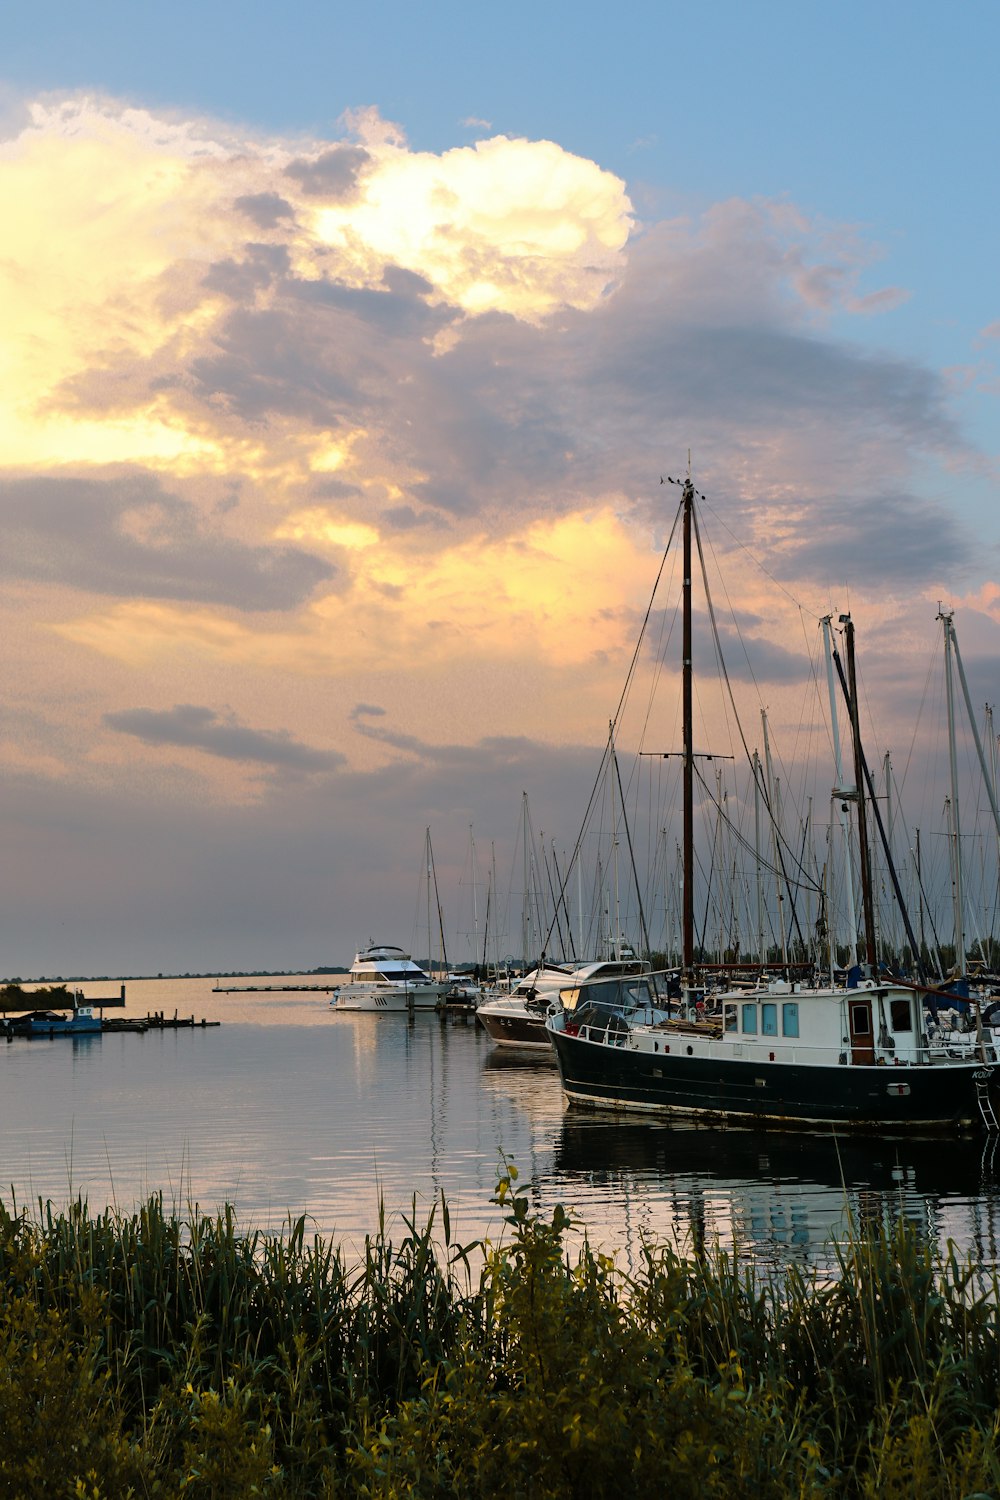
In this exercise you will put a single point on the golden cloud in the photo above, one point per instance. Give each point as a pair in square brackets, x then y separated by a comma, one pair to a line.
[564, 593]
[505, 225]
[113, 216]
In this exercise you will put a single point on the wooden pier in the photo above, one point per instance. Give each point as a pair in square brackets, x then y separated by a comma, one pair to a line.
[275, 989]
[158, 1021]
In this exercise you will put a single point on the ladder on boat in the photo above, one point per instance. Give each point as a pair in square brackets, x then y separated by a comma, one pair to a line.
[982, 1080]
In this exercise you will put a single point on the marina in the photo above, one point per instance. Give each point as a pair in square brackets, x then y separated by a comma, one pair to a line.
[288, 1108]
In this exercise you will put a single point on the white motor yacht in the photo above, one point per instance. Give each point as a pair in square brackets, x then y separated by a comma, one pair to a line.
[386, 979]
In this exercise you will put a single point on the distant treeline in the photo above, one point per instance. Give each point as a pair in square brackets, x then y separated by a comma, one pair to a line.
[151, 1354]
[12, 996]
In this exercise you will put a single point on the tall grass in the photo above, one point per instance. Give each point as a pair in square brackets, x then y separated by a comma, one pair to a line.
[152, 1353]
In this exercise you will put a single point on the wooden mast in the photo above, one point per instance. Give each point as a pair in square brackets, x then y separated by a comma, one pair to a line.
[867, 903]
[687, 972]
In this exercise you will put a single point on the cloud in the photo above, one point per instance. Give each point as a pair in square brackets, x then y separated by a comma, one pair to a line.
[750, 654]
[267, 210]
[127, 536]
[333, 423]
[333, 174]
[255, 271]
[469, 337]
[192, 727]
[881, 540]
[405, 518]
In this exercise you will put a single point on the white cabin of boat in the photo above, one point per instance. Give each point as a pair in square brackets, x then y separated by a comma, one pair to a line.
[382, 961]
[871, 1025]
[385, 978]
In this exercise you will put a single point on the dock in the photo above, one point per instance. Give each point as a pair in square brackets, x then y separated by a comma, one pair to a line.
[12, 1025]
[274, 989]
[158, 1021]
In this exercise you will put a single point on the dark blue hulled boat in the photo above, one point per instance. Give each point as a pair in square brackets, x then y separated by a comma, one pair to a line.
[782, 1054]
[778, 1053]
[79, 1022]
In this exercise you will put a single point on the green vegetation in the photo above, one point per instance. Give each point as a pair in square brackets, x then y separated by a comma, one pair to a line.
[13, 997]
[151, 1355]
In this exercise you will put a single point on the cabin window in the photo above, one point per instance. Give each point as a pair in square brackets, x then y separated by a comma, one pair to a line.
[769, 1018]
[636, 995]
[902, 1015]
[790, 1018]
[730, 1018]
[861, 1020]
[750, 1018]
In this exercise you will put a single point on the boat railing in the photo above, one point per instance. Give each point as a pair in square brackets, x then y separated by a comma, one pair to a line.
[612, 1033]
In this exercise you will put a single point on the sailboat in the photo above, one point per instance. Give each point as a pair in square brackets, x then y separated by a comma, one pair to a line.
[783, 1053]
[517, 1018]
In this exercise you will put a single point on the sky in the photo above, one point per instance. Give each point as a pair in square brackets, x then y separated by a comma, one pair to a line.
[343, 354]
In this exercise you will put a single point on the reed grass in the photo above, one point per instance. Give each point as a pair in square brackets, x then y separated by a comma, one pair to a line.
[151, 1353]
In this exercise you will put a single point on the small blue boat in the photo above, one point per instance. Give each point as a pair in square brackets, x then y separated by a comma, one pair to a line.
[79, 1022]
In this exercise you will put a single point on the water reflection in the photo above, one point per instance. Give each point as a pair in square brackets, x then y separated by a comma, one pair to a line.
[288, 1109]
[781, 1197]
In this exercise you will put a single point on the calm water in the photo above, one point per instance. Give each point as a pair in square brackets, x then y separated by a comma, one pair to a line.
[287, 1109]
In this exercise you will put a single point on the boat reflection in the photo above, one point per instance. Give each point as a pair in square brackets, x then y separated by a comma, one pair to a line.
[766, 1194]
[522, 1061]
[592, 1142]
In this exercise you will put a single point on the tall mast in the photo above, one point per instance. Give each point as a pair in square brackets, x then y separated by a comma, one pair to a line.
[527, 940]
[430, 940]
[757, 776]
[989, 780]
[774, 808]
[920, 896]
[579, 908]
[440, 913]
[840, 792]
[866, 873]
[496, 925]
[723, 860]
[687, 957]
[956, 828]
[991, 737]
[890, 814]
[617, 941]
[475, 900]
[807, 849]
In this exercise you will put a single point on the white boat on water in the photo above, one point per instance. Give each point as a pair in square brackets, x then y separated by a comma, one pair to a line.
[518, 1019]
[386, 979]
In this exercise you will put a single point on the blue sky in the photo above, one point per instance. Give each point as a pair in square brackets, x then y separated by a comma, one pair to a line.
[879, 115]
[766, 232]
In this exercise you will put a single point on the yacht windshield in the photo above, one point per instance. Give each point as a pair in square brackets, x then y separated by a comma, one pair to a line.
[621, 996]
